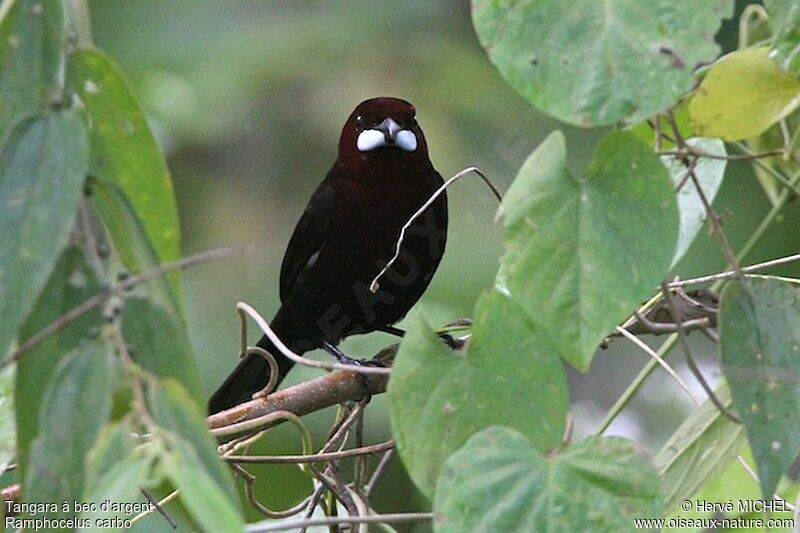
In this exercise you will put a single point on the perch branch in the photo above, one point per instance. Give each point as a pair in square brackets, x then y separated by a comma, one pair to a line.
[302, 399]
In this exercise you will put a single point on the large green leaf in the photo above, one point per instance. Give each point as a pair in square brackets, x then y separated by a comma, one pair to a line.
[499, 481]
[125, 152]
[31, 39]
[159, 344]
[116, 473]
[709, 173]
[175, 412]
[42, 168]
[785, 17]
[71, 283]
[130, 239]
[77, 403]
[594, 63]
[742, 95]
[582, 252]
[439, 397]
[760, 349]
[699, 450]
[206, 501]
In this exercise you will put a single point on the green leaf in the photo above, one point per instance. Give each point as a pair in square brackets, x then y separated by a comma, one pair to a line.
[439, 397]
[160, 345]
[760, 349]
[77, 404]
[42, 169]
[593, 63]
[113, 442]
[742, 95]
[119, 486]
[785, 16]
[582, 252]
[499, 481]
[125, 152]
[205, 500]
[709, 173]
[8, 428]
[71, 283]
[130, 239]
[699, 450]
[175, 412]
[116, 472]
[31, 39]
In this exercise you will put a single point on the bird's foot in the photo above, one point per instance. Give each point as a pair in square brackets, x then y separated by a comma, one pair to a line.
[345, 359]
[449, 340]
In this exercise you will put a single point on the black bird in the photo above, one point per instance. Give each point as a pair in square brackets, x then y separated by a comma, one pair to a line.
[346, 235]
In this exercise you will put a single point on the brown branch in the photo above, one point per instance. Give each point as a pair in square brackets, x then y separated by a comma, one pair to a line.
[302, 399]
[698, 308]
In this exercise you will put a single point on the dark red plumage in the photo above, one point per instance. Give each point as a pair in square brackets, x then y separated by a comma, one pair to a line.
[347, 233]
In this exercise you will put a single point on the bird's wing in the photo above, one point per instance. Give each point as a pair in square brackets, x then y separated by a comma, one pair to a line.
[308, 238]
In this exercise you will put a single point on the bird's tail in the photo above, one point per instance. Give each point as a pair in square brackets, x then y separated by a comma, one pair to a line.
[250, 376]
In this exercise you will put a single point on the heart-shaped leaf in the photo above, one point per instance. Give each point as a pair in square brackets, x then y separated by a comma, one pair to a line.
[593, 63]
[499, 481]
[439, 397]
[582, 252]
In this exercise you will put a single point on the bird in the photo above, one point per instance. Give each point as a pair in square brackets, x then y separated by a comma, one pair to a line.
[346, 235]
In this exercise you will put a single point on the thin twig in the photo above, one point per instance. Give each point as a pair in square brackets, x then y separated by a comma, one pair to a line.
[716, 223]
[315, 458]
[649, 351]
[139, 402]
[299, 359]
[335, 520]
[159, 508]
[161, 503]
[752, 241]
[249, 482]
[731, 273]
[378, 472]
[118, 288]
[374, 286]
[676, 316]
[696, 152]
[274, 371]
[652, 353]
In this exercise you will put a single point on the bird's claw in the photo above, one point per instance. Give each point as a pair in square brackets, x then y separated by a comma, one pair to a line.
[449, 340]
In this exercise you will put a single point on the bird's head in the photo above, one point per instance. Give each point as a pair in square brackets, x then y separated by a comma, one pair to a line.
[382, 128]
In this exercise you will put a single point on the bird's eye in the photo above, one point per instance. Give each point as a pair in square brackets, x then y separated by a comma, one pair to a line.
[359, 121]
